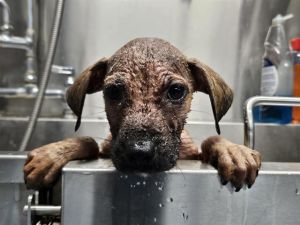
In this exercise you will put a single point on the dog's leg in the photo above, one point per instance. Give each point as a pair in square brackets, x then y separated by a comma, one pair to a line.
[44, 164]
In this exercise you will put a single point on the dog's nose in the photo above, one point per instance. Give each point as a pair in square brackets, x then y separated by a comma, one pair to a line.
[139, 150]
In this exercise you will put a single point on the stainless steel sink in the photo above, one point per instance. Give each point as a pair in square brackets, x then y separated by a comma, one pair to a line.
[95, 193]
[188, 194]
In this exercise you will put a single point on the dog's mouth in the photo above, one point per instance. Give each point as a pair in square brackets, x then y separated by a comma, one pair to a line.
[147, 155]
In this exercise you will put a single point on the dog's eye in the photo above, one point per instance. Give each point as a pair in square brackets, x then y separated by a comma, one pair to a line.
[176, 92]
[114, 92]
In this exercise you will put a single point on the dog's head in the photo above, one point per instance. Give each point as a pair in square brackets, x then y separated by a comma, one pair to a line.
[148, 86]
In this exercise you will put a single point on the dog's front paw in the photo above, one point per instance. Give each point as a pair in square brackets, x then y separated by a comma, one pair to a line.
[43, 166]
[235, 163]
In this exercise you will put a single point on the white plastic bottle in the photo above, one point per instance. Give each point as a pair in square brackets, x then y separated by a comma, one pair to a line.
[277, 72]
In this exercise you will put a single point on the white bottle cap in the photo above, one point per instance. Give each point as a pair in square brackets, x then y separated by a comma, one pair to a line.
[279, 19]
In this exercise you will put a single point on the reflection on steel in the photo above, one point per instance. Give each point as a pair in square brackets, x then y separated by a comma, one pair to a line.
[249, 129]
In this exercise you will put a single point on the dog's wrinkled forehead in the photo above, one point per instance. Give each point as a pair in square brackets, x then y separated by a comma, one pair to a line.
[146, 56]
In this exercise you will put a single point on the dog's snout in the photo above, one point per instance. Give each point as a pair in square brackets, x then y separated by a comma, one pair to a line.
[139, 150]
[143, 146]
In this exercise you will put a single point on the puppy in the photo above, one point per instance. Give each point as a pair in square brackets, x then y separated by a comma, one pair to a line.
[147, 87]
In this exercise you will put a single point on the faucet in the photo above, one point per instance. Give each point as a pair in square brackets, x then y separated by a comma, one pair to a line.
[249, 128]
[7, 40]
[30, 89]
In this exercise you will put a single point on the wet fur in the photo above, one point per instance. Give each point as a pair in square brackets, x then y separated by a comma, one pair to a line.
[146, 67]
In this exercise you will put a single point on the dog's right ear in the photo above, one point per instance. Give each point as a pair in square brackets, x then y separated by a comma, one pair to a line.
[209, 82]
[89, 81]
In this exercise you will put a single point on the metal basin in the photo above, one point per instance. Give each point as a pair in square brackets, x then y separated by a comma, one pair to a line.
[94, 193]
[188, 194]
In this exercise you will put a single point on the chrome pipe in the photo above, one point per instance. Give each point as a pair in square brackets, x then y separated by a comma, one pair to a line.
[63, 70]
[45, 75]
[249, 128]
[8, 41]
[6, 26]
[43, 210]
[24, 43]
[30, 92]
[29, 16]
[28, 211]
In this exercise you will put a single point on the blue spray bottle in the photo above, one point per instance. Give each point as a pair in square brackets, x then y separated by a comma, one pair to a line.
[277, 73]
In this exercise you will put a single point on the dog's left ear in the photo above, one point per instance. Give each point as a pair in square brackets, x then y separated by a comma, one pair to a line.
[89, 81]
[209, 82]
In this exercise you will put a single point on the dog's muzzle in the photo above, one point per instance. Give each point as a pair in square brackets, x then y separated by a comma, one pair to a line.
[144, 152]
[141, 150]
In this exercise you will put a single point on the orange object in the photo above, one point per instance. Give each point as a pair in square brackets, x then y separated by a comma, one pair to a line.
[295, 44]
[296, 110]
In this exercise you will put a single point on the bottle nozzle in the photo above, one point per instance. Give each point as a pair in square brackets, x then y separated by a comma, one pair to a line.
[279, 19]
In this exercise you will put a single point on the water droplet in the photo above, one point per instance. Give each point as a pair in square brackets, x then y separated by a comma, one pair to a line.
[161, 205]
[154, 219]
[126, 176]
[297, 191]
[160, 188]
[185, 216]
[170, 199]
[138, 183]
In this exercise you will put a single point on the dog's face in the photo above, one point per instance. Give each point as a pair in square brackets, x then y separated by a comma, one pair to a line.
[147, 87]
[147, 96]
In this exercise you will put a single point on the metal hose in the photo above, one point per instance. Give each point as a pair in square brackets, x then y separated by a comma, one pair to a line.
[45, 75]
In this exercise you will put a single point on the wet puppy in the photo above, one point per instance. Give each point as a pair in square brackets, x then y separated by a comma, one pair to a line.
[147, 87]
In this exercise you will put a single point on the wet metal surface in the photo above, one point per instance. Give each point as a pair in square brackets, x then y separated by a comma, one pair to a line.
[94, 193]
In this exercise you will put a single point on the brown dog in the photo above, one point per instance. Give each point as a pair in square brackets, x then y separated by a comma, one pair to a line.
[148, 86]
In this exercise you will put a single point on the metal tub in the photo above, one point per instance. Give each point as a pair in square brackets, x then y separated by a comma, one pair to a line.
[94, 193]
